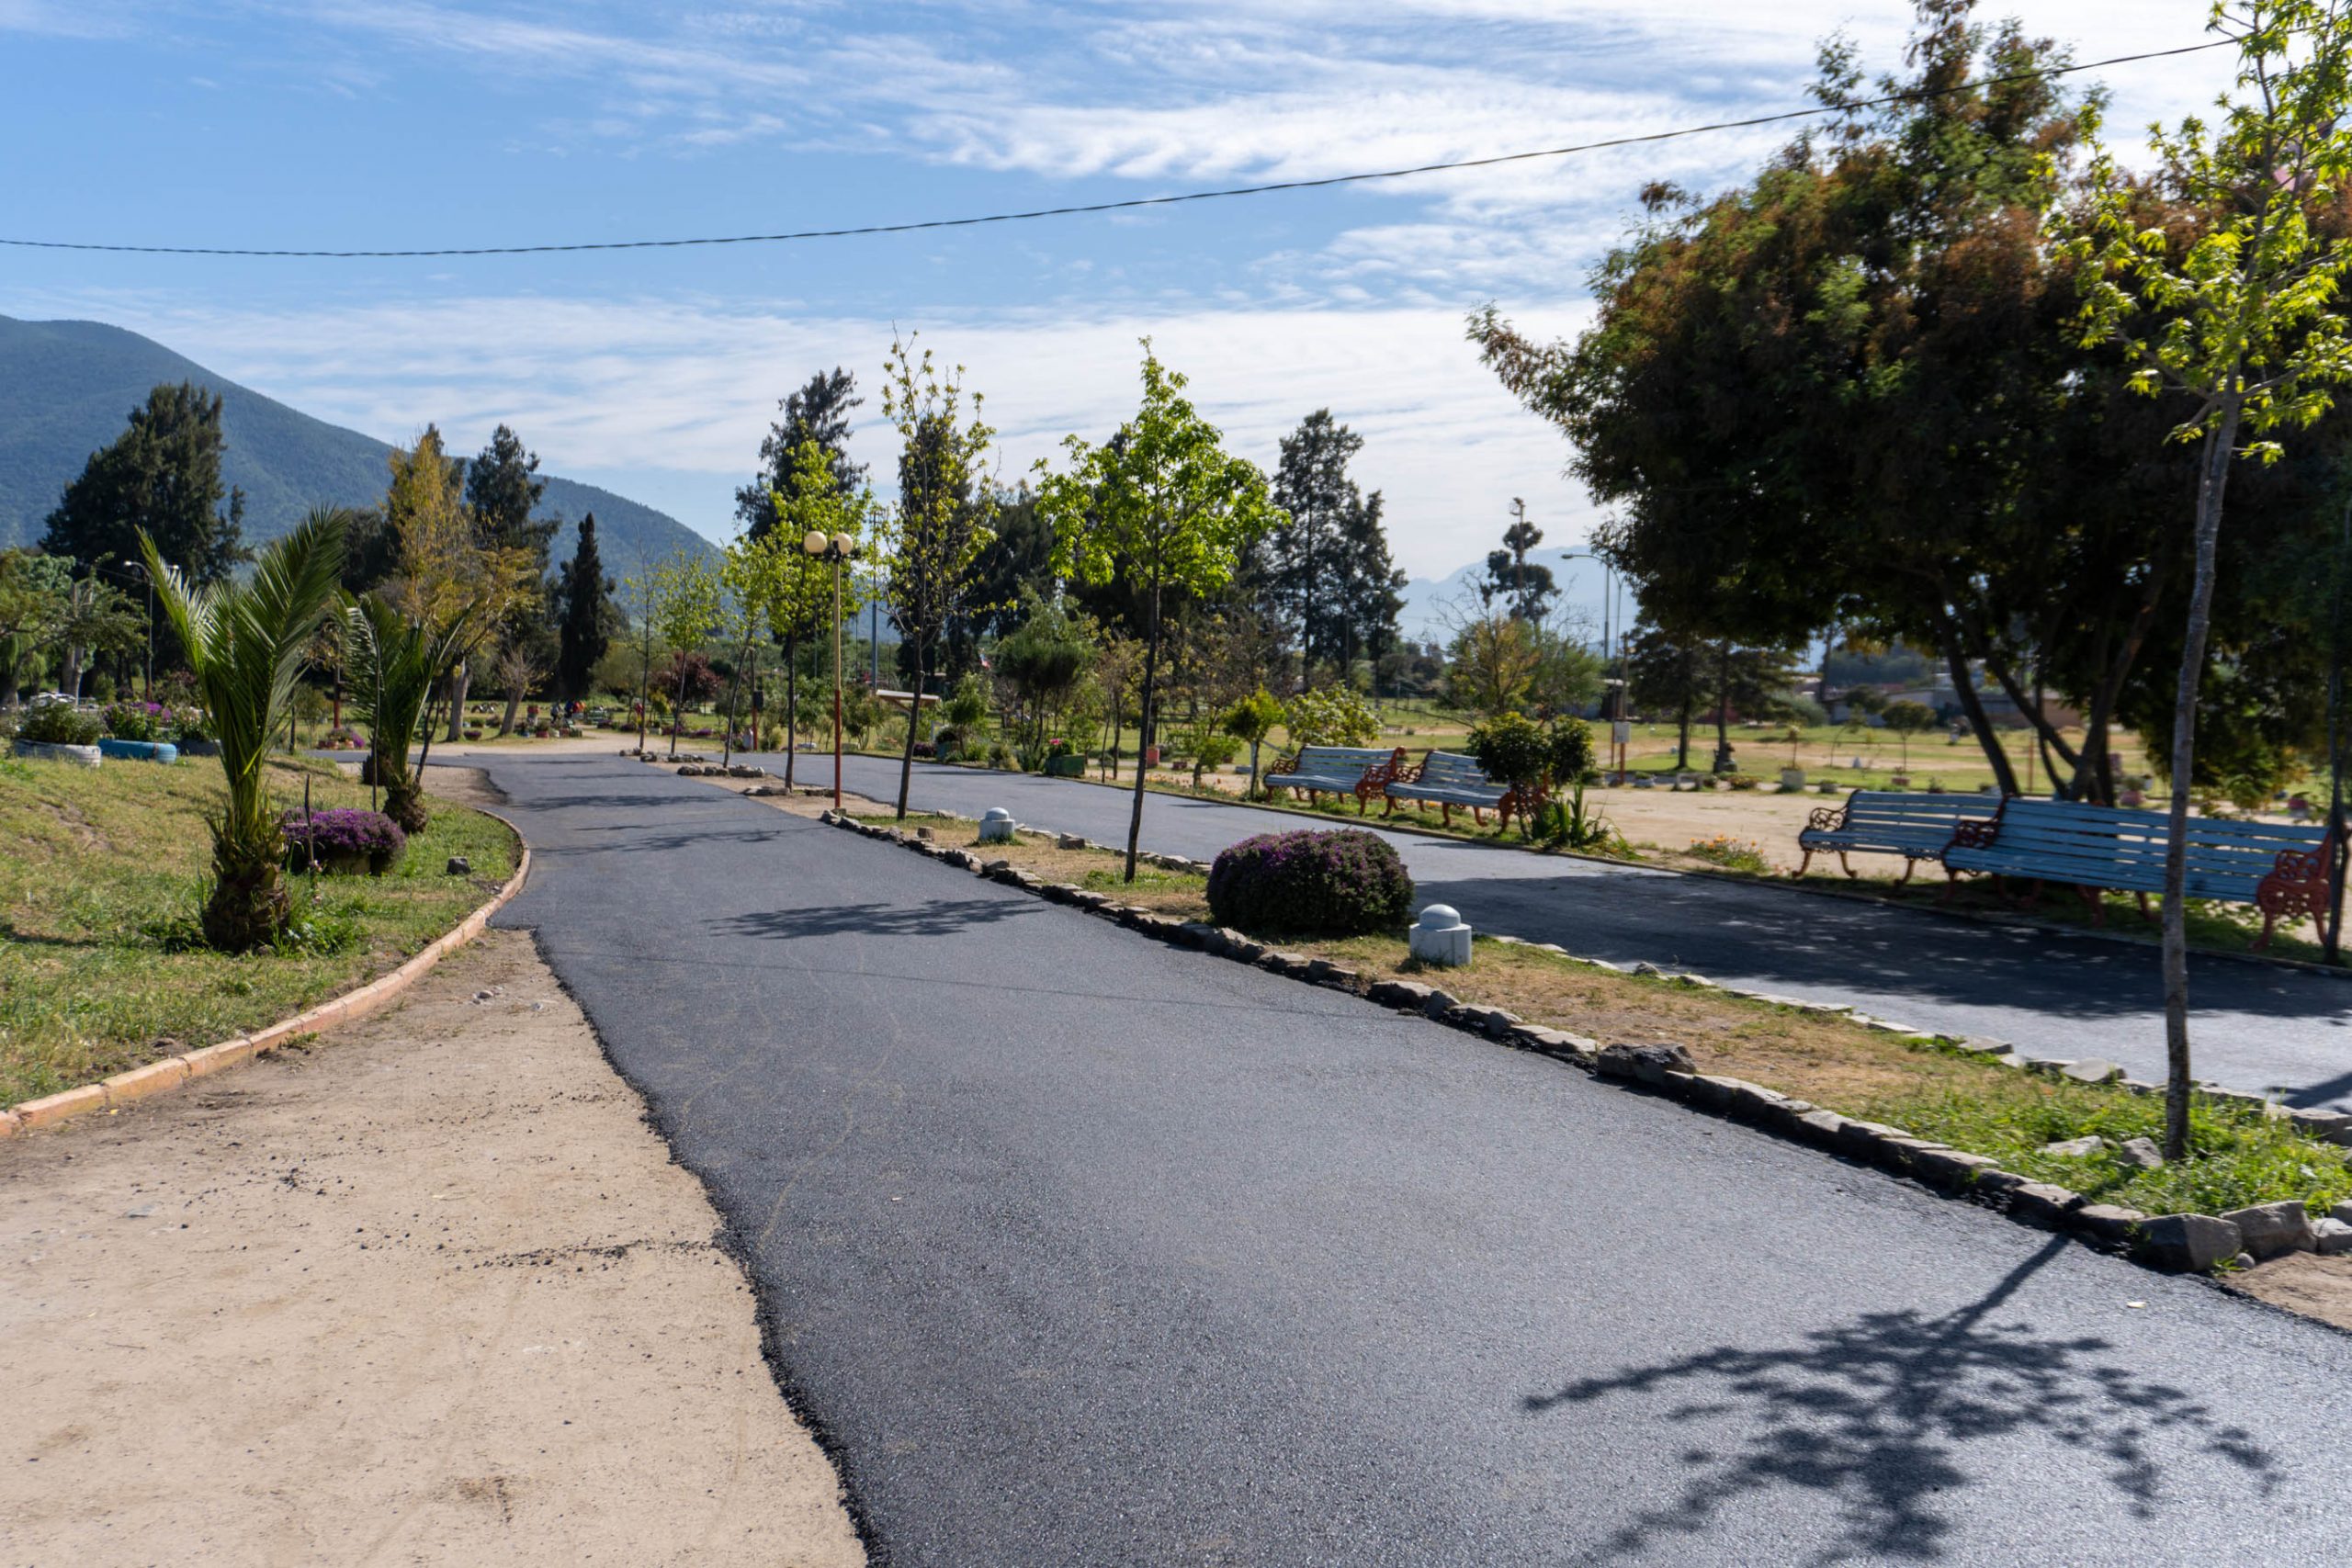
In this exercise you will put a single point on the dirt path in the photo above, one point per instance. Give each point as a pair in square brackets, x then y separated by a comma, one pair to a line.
[430, 1292]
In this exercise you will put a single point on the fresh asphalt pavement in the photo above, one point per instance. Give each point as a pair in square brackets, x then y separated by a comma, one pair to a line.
[2260, 1027]
[1081, 1249]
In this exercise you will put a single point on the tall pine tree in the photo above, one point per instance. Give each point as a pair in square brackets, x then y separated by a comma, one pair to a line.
[583, 595]
[161, 474]
[820, 412]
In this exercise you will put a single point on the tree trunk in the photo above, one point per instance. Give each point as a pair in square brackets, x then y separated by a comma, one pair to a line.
[791, 705]
[1143, 728]
[514, 707]
[1682, 742]
[735, 690]
[1956, 662]
[678, 709]
[69, 681]
[914, 715]
[460, 679]
[1722, 708]
[2211, 485]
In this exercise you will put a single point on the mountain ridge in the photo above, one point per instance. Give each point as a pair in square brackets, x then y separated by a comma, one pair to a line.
[67, 386]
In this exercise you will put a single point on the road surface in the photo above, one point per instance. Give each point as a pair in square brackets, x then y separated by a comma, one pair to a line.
[2257, 1027]
[1081, 1249]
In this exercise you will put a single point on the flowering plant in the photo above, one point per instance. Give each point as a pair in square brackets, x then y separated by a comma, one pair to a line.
[1344, 883]
[343, 836]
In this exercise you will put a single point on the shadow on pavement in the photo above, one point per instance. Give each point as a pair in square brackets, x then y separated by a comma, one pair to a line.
[1879, 1413]
[943, 918]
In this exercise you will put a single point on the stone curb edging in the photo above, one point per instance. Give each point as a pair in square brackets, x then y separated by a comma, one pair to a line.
[2172, 1242]
[157, 1077]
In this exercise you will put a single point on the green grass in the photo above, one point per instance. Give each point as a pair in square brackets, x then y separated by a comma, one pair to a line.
[2239, 1155]
[101, 876]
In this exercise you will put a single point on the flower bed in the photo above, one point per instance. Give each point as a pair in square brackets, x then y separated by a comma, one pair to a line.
[345, 840]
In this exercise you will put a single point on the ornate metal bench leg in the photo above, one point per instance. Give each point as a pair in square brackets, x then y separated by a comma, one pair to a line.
[1445, 813]
[1910, 865]
[1802, 864]
[1847, 864]
[2143, 905]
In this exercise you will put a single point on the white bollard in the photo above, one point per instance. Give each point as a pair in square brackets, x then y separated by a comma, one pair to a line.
[1440, 937]
[996, 826]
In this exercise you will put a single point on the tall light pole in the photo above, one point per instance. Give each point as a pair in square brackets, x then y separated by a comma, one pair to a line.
[839, 549]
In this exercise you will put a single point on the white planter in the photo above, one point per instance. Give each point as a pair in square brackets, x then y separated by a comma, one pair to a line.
[49, 751]
[1792, 778]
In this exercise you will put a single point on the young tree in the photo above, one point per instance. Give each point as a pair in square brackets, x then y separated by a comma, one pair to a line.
[461, 588]
[1492, 663]
[818, 412]
[1251, 720]
[1669, 674]
[160, 478]
[585, 631]
[96, 618]
[394, 661]
[2241, 316]
[517, 668]
[686, 609]
[244, 643]
[1908, 718]
[801, 589]
[944, 508]
[1162, 503]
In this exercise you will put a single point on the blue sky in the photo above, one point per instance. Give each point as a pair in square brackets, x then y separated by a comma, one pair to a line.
[497, 121]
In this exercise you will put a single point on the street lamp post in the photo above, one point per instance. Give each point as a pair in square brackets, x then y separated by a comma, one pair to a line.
[839, 549]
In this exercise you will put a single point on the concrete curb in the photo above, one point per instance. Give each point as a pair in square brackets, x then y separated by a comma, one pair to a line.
[2192, 1243]
[158, 1078]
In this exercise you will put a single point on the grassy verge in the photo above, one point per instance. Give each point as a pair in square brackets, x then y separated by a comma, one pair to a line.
[101, 875]
[1957, 1097]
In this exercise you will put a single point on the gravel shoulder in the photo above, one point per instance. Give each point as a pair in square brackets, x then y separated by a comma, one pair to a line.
[429, 1292]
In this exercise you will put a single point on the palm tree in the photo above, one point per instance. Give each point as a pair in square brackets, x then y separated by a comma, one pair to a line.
[394, 662]
[244, 643]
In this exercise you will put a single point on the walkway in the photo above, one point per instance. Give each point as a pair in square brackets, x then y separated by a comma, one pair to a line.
[1081, 1249]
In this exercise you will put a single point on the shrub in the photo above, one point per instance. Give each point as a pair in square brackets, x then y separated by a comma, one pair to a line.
[1334, 716]
[1512, 749]
[1731, 855]
[1340, 884]
[1000, 755]
[135, 721]
[61, 723]
[344, 837]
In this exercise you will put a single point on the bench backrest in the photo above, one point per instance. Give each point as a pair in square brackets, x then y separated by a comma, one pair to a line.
[1340, 762]
[1451, 770]
[1898, 809]
[2109, 846]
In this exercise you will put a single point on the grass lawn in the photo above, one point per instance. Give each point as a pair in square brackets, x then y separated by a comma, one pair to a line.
[1953, 1097]
[101, 875]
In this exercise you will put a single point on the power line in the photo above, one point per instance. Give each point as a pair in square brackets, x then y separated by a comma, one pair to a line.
[1133, 203]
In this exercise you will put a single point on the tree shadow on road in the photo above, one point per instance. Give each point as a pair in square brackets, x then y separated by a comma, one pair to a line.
[1879, 1413]
[944, 917]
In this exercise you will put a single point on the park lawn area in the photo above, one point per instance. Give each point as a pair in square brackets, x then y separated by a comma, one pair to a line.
[1932, 1090]
[101, 876]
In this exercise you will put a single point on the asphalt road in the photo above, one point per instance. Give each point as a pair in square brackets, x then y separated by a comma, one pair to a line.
[2256, 1027]
[1086, 1250]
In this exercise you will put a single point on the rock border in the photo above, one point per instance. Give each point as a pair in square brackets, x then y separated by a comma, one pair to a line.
[171, 1072]
[2185, 1242]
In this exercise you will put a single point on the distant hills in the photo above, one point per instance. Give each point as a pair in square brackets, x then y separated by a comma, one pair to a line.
[67, 388]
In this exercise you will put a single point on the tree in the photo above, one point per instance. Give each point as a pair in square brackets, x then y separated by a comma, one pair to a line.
[244, 644]
[686, 609]
[459, 588]
[944, 513]
[517, 669]
[1527, 589]
[35, 599]
[818, 412]
[1492, 663]
[1042, 661]
[1163, 502]
[1328, 568]
[1371, 586]
[1251, 720]
[1752, 681]
[585, 629]
[161, 477]
[502, 486]
[95, 618]
[1669, 674]
[800, 587]
[1906, 718]
[2244, 323]
[394, 661]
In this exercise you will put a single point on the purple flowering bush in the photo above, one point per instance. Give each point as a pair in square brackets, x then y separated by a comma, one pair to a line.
[1338, 883]
[344, 838]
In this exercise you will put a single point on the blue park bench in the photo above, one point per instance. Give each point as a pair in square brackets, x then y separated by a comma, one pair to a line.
[1447, 779]
[1886, 822]
[2279, 868]
[1359, 771]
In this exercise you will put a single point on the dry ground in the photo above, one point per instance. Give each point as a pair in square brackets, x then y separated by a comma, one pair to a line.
[431, 1292]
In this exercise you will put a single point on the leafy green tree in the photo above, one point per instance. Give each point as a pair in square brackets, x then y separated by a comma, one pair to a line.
[35, 599]
[1251, 720]
[1669, 674]
[805, 594]
[1042, 661]
[161, 477]
[96, 618]
[586, 630]
[1908, 719]
[1526, 588]
[244, 644]
[1163, 502]
[1330, 715]
[1492, 663]
[687, 606]
[818, 412]
[2240, 316]
[944, 513]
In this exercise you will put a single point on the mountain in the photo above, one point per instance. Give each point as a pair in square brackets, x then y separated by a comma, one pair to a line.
[1433, 604]
[67, 388]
